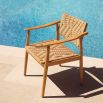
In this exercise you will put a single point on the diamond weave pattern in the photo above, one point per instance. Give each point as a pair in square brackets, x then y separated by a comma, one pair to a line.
[58, 51]
[70, 26]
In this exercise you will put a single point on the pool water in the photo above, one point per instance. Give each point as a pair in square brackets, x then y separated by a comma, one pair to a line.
[15, 15]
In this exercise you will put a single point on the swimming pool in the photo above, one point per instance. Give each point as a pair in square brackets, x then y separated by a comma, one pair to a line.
[16, 15]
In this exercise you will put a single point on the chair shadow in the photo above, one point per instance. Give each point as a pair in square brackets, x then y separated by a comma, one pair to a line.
[68, 82]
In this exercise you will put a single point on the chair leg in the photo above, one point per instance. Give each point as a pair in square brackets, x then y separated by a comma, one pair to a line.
[25, 64]
[81, 72]
[60, 65]
[44, 80]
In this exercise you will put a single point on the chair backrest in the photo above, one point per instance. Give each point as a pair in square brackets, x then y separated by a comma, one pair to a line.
[70, 26]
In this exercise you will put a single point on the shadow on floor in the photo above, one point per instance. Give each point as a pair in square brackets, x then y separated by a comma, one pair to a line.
[68, 82]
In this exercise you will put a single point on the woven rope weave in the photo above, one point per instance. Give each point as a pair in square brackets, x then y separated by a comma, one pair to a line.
[58, 51]
[71, 26]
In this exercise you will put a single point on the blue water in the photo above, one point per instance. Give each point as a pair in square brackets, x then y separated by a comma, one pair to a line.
[15, 15]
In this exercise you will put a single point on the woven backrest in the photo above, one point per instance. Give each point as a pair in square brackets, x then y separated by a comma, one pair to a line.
[70, 26]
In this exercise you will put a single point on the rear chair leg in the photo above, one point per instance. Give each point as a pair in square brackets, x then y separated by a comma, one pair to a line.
[44, 80]
[25, 64]
[81, 72]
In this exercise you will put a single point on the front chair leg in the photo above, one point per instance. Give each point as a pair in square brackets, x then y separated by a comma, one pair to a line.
[25, 64]
[44, 80]
[45, 70]
[81, 72]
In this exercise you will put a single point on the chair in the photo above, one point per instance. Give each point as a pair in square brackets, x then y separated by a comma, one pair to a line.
[54, 52]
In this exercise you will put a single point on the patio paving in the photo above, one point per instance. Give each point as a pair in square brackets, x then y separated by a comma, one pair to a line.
[62, 82]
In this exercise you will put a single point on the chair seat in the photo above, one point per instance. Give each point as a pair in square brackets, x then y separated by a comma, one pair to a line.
[57, 52]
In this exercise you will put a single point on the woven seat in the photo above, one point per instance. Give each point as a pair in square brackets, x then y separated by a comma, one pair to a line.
[54, 52]
[57, 52]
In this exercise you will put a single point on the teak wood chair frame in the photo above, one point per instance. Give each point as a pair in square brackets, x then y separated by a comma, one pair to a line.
[48, 44]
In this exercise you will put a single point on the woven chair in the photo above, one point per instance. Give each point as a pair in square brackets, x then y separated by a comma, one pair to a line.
[54, 52]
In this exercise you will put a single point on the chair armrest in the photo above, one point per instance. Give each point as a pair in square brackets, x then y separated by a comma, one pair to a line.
[53, 42]
[43, 26]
